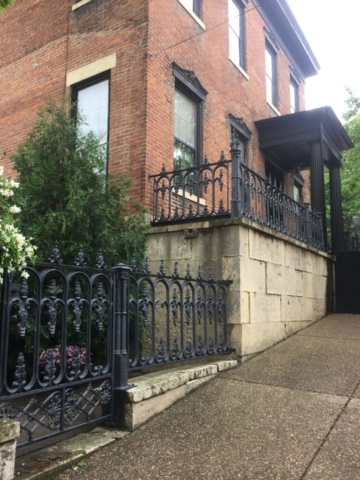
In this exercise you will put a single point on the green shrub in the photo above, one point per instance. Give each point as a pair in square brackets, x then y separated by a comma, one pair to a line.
[66, 195]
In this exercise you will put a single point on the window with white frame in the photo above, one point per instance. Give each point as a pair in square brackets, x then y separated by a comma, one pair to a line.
[237, 50]
[193, 6]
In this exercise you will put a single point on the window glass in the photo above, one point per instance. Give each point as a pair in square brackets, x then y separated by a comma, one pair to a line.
[185, 122]
[294, 97]
[93, 104]
[236, 33]
[270, 76]
[185, 130]
[297, 196]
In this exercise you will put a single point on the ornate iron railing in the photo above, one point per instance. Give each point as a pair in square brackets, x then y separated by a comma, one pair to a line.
[193, 193]
[202, 192]
[59, 363]
[175, 318]
[71, 333]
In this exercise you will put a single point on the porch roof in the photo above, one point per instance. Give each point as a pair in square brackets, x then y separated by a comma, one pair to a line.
[286, 139]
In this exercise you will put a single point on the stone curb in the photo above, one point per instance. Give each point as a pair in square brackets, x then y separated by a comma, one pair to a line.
[159, 383]
[156, 392]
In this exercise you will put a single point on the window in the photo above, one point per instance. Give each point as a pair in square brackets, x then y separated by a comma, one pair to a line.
[271, 79]
[298, 185]
[237, 32]
[186, 124]
[294, 95]
[273, 173]
[243, 134]
[92, 102]
[193, 5]
[188, 103]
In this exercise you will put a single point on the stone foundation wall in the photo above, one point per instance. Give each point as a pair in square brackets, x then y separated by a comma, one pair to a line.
[279, 285]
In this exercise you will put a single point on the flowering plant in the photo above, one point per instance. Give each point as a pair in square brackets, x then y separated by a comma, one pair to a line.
[15, 249]
[72, 354]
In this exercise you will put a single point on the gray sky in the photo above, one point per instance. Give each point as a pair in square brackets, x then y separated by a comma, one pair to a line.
[333, 31]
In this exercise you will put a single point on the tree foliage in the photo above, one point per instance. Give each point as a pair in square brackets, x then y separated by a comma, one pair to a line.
[350, 173]
[4, 4]
[65, 194]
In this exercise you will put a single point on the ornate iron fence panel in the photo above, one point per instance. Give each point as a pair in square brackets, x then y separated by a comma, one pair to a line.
[175, 318]
[56, 349]
[192, 193]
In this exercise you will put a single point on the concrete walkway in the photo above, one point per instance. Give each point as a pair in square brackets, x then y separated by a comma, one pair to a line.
[292, 412]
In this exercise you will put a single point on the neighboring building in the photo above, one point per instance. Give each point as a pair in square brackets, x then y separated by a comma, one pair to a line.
[166, 79]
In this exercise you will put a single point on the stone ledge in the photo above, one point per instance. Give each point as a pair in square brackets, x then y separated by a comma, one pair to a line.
[9, 430]
[157, 383]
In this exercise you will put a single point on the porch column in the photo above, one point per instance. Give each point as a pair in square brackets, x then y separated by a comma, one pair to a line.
[317, 181]
[337, 223]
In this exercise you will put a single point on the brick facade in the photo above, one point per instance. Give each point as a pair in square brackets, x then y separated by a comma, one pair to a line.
[43, 41]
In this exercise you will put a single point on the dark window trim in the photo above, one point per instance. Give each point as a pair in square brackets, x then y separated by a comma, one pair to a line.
[188, 79]
[273, 53]
[242, 132]
[270, 38]
[89, 82]
[199, 133]
[188, 84]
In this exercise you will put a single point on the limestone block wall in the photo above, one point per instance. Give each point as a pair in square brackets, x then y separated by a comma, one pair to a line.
[279, 285]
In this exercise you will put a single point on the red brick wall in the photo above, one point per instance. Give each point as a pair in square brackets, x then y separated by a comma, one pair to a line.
[42, 40]
[207, 54]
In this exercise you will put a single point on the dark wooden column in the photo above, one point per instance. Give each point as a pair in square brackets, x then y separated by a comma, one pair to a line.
[337, 222]
[317, 181]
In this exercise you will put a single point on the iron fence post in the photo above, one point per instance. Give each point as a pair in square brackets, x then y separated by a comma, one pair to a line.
[236, 186]
[120, 274]
[308, 232]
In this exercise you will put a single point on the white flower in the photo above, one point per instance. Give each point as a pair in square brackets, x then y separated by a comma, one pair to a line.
[25, 274]
[14, 209]
[1, 170]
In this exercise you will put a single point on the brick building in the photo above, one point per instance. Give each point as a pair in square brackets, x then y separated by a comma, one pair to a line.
[145, 54]
[160, 79]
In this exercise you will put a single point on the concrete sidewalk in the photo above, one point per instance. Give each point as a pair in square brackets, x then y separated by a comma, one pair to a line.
[292, 412]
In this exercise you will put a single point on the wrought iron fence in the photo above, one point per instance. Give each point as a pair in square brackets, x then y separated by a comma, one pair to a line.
[183, 195]
[175, 318]
[192, 193]
[71, 333]
[58, 356]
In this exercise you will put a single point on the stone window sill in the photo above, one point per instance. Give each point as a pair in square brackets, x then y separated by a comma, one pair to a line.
[190, 12]
[192, 198]
[243, 73]
[79, 4]
[274, 109]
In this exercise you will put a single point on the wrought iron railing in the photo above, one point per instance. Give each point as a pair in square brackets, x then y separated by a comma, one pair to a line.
[58, 360]
[204, 191]
[71, 333]
[193, 193]
[175, 318]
